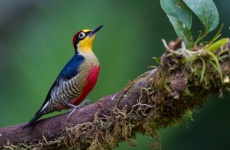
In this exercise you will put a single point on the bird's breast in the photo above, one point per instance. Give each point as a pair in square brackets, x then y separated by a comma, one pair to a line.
[92, 77]
[88, 75]
[90, 82]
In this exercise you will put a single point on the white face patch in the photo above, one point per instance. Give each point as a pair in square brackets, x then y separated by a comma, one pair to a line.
[81, 35]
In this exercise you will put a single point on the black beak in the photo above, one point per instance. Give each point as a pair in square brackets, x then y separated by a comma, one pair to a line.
[95, 30]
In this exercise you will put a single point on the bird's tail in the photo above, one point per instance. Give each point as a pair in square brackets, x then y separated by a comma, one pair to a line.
[34, 119]
[40, 112]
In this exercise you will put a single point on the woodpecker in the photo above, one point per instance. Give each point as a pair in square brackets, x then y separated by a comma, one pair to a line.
[76, 79]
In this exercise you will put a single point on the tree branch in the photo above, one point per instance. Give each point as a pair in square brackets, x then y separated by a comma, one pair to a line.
[156, 99]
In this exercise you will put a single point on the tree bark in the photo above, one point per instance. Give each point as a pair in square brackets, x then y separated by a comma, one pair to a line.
[156, 99]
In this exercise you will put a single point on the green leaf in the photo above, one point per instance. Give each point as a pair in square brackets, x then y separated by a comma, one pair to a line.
[218, 34]
[203, 70]
[182, 31]
[179, 10]
[216, 65]
[206, 11]
[217, 44]
[180, 17]
[156, 60]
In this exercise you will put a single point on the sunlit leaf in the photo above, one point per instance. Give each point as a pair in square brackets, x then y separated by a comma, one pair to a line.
[206, 11]
[217, 44]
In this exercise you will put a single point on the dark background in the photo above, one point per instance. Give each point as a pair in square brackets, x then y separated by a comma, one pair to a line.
[35, 44]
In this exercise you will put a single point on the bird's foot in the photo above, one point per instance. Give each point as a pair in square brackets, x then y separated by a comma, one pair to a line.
[73, 108]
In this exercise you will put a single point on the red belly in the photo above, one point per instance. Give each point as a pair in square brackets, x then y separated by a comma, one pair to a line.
[91, 80]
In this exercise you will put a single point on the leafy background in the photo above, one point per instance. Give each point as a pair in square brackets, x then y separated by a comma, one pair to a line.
[35, 43]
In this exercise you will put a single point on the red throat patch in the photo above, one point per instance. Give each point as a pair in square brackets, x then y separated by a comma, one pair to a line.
[91, 81]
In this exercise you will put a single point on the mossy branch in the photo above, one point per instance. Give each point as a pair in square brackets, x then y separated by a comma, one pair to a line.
[157, 99]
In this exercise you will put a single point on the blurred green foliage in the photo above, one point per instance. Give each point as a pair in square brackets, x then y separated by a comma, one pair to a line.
[35, 44]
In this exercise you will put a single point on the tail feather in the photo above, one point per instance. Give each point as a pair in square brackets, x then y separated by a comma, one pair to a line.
[40, 112]
[34, 119]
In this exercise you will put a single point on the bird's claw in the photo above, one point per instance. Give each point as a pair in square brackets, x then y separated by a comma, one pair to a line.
[73, 108]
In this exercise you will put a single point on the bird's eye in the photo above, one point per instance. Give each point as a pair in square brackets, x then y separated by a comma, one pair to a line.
[81, 35]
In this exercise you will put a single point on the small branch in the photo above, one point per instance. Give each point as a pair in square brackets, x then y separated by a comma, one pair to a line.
[156, 99]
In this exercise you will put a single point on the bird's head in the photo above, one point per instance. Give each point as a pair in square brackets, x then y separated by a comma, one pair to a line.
[83, 40]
